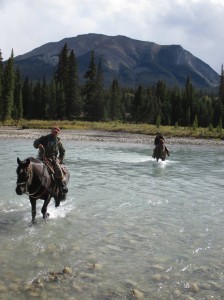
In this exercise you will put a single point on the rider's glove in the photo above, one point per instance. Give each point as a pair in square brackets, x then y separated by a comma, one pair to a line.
[41, 147]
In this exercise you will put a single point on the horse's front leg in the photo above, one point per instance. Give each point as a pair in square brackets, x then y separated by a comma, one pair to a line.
[33, 209]
[44, 208]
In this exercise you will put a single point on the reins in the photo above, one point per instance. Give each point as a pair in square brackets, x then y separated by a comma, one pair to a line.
[40, 186]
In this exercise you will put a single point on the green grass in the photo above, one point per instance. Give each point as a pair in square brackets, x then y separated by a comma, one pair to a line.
[168, 131]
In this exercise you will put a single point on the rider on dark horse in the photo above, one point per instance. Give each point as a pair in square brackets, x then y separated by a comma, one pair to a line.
[49, 147]
[159, 140]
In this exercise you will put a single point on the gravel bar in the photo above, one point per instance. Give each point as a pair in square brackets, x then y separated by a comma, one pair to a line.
[10, 132]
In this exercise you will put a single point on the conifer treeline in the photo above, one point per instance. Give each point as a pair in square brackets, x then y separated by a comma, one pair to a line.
[64, 98]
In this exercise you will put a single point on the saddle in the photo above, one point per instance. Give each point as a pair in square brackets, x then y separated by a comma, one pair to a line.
[49, 164]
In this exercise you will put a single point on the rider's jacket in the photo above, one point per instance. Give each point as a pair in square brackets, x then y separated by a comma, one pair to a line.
[52, 145]
[157, 139]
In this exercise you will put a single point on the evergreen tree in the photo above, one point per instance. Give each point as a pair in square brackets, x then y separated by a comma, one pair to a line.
[8, 89]
[61, 74]
[138, 107]
[74, 102]
[164, 108]
[27, 96]
[221, 94]
[62, 83]
[99, 94]
[1, 81]
[189, 103]
[157, 104]
[45, 99]
[52, 104]
[17, 112]
[176, 106]
[60, 101]
[126, 103]
[37, 113]
[151, 106]
[195, 123]
[205, 111]
[218, 107]
[89, 92]
[221, 86]
[115, 101]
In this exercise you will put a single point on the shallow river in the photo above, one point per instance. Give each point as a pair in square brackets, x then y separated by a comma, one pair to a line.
[130, 228]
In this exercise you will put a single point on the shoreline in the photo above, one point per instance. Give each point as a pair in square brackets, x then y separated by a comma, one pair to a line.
[11, 132]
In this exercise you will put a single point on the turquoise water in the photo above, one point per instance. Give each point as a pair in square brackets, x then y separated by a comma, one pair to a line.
[130, 228]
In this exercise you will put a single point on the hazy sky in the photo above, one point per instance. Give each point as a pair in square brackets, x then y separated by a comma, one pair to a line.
[196, 25]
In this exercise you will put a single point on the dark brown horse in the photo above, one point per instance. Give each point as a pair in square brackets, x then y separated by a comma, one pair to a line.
[35, 179]
[161, 151]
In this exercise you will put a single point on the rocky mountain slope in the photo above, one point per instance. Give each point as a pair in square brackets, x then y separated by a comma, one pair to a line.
[132, 62]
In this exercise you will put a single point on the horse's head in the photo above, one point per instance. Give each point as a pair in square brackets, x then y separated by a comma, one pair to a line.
[23, 175]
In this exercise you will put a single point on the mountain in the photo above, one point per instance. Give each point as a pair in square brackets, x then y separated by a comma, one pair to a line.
[132, 62]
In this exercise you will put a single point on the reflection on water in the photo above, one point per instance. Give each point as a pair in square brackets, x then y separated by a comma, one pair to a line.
[130, 228]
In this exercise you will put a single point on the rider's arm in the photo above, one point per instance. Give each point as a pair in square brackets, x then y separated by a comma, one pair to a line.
[39, 143]
[61, 150]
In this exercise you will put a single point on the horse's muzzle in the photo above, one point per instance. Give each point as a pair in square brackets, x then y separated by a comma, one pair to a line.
[19, 190]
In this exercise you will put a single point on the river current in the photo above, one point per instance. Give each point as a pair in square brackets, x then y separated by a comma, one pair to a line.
[130, 228]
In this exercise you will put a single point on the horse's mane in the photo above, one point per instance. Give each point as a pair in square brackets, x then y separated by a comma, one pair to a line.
[34, 160]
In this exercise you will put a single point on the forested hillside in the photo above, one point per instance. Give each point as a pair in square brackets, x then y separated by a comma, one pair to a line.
[64, 98]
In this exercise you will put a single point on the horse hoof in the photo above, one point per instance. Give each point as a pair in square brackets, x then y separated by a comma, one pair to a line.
[46, 216]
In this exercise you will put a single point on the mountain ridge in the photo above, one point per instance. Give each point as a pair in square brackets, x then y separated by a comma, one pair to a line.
[130, 61]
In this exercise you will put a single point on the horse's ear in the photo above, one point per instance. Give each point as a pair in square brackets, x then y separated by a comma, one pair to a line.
[18, 161]
[27, 162]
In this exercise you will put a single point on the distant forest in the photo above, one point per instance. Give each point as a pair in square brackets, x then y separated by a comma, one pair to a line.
[64, 98]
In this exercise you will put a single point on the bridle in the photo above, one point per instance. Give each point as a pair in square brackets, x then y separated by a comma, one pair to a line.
[27, 183]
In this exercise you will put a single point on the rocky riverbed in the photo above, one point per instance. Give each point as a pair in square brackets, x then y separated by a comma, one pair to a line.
[10, 132]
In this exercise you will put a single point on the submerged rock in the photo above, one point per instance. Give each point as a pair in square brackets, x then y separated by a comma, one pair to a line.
[137, 294]
[158, 267]
[3, 288]
[194, 287]
[67, 270]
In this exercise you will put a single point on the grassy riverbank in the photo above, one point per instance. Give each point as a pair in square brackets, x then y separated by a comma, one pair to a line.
[168, 131]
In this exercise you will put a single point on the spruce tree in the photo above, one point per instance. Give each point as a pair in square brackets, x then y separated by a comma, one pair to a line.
[62, 82]
[74, 103]
[8, 89]
[89, 90]
[1, 81]
[221, 94]
[176, 106]
[60, 101]
[221, 85]
[52, 106]
[17, 112]
[189, 103]
[99, 94]
[115, 101]
[137, 105]
[61, 74]
[45, 99]
[27, 95]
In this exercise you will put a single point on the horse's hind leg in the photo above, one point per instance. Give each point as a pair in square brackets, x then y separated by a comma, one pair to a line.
[33, 208]
[44, 208]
